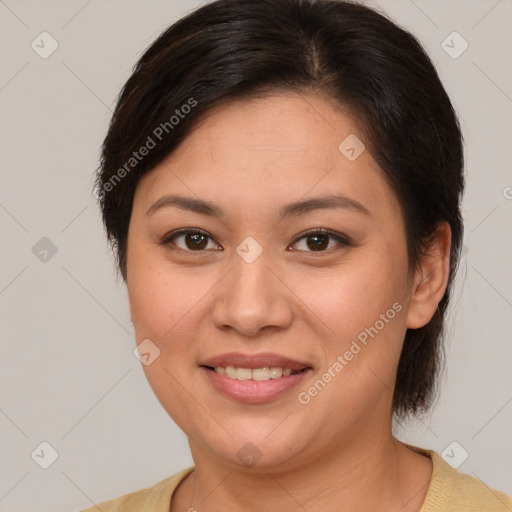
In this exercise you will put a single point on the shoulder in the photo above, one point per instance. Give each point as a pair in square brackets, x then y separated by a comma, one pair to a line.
[453, 491]
[152, 499]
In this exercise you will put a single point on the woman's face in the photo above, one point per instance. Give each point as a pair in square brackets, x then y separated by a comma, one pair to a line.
[259, 288]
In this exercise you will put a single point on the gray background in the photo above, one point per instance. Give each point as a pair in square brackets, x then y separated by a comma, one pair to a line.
[68, 373]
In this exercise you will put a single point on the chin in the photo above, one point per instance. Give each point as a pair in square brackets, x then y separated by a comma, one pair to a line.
[257, 447]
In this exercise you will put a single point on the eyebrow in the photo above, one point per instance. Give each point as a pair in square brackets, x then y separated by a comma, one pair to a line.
[203, 207]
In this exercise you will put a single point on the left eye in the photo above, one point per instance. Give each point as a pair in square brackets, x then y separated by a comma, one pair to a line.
[320, 240]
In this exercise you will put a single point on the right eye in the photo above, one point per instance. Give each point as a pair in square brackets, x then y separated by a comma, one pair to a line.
[189, 240]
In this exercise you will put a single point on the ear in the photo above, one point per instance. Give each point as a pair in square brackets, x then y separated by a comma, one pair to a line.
[431, 278]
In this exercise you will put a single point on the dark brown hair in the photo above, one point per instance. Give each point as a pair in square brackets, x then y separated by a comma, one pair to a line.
[235, 49]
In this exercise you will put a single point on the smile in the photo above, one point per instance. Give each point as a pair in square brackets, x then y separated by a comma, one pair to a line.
[254, 378]
[259, 374]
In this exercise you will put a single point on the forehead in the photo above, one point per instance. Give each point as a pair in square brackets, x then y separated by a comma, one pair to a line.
[281, 148]
[286, 124]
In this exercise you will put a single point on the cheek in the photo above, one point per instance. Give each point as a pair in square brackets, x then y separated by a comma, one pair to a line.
[362, 340]
[163, 303]
[160, 296]
[362, 308]
[354, 297]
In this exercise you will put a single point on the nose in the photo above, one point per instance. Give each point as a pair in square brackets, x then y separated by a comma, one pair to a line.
[252, 298]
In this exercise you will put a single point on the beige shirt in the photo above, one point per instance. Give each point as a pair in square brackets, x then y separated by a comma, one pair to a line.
[449, 491]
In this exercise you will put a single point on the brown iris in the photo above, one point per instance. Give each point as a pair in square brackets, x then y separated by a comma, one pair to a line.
[195, 241]
[320, 242]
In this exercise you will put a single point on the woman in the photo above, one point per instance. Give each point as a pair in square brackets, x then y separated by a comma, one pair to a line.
[281, 182]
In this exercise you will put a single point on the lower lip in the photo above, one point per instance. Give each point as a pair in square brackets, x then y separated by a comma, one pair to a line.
[254, 391]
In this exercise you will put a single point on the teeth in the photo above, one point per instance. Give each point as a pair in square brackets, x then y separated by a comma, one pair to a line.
[258, 374]
[243, 373]
[261, 373]
[275, 372]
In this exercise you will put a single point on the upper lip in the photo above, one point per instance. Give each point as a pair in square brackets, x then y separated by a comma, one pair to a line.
[260, 360]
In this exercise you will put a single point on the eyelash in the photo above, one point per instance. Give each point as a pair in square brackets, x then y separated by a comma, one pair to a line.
[341, 239]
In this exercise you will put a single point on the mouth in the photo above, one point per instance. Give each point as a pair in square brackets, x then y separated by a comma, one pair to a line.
[258, 374]
[256, 378]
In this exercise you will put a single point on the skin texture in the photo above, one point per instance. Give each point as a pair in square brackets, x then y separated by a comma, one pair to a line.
[250, 158]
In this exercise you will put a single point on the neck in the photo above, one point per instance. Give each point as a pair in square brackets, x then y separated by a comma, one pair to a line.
[374, 473]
